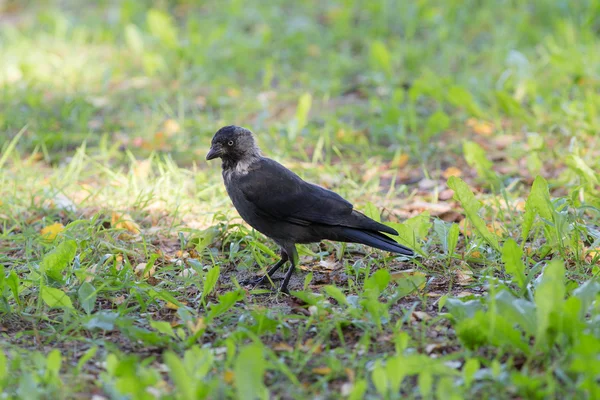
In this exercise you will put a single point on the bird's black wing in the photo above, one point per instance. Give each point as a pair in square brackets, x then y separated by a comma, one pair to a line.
[278, 192]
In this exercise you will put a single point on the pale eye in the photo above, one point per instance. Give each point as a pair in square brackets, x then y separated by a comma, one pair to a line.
[230, 143]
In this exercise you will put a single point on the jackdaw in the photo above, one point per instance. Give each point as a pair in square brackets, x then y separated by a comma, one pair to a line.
[278, 203]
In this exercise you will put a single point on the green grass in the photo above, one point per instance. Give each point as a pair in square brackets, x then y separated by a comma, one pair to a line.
[106, 113]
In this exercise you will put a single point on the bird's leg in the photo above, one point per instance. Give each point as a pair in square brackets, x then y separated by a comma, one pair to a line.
[293, 255]
[270, 272]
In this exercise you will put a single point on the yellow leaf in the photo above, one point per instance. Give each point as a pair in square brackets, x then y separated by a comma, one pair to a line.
[452, 171]
[321, 370]
[172, 306]
[124, 221]
[313, 50]
[171, 127]
[139, 269]
[400, 160]
[199, 325]
[407, 273]
[482, 128]
[228, 377]
[49, 232]
[233, 92]
[282, 347]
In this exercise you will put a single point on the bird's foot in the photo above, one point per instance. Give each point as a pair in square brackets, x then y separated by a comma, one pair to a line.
[261, 280]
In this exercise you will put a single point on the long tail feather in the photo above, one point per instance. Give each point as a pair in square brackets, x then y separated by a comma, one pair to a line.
[375, 239]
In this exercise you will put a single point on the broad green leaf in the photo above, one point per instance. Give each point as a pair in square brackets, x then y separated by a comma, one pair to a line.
[512, 256]
[587, 293]
[58, 259]
[460, 97]
[413, 230]
[377, 282]
[226, 301]
[3, 366]
[448, 234]
[134, 39]
[372, 212]
[180, 376]
[549, 298]
[463, 194]
[55, 297]
[87, 356]
[469, 370]
[577, 164]
[210, 281]
[522, 312]
[425, 384]
[162, 27]
[476, 158]
[381, 58]
[249, 373]
[380, 380]
[436, 123]
[87, 297]
[538, 202]
[163, 327]
[510, 106]
[453, 238]
[359, 390]
[53, 363]
[13, 283]
[396, 369]
[304, 105]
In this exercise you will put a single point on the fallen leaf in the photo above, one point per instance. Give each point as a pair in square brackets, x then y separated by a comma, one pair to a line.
[482, 128]
[51, 231]
[228, 377]
[433, 347]
[199, 325]
[400, 160]
[446, 194]
[313, 50]
[282, 347]
[464, 277]
[233, 92]
[321, 370]
[139, 269]
[451, 171]
[124, 221]
[328, 264]
[420, 316]
[171, 127]
[118, 300]
[172, 306]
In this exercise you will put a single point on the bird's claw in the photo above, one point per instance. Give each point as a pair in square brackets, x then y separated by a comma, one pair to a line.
[261, 280]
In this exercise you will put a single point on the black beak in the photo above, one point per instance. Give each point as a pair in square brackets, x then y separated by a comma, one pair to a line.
[214, 152]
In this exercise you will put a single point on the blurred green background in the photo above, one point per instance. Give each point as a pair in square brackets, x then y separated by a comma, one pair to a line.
[389, 76]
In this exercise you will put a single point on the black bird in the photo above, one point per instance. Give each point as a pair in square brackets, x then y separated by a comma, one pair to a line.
[279, 204]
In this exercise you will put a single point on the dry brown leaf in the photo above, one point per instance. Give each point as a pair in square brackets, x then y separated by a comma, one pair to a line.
[51, 231]
[282, 347]
[329, 264]
[464, 277]
[420, 316]
[118, 300]
[433, 348]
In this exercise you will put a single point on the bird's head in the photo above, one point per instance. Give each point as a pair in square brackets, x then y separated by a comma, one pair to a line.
[233, 143]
